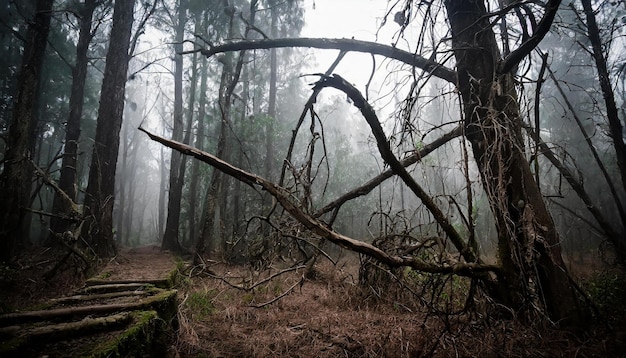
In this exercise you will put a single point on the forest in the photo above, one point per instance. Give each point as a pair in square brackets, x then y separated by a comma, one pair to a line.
[430, 173]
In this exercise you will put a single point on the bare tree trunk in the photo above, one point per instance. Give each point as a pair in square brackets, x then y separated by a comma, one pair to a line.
[528, 243]
[99, 197]
[126, 221]
[16, 177]
[190, 119]
[122, 180]
[207, 233]
[271, 108]
[67, 181]
[199, 143]
[228, 81]
[170, 238]
[243, 133]
[615, 125]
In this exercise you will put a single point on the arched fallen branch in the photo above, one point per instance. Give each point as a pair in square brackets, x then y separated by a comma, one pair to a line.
[316, 226]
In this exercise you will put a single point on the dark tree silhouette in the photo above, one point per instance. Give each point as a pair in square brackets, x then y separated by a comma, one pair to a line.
[99, 197]
[67, 181]
[16, 178]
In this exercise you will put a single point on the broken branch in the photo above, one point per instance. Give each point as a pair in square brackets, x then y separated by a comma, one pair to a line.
[316, 226]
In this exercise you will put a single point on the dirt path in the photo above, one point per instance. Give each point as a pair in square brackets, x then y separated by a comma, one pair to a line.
[127, 309]
[139, 263]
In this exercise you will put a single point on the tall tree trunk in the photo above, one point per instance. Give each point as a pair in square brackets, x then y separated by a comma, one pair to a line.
[199, 143]
[615, 125]
[271, 108]
[162, 194]
[207, 233]
[190, 113]
[67, 181]
[99, 197]
[17, 174]
[528, 243]
[170, 238]
[228, 81]
[122, 180]
[126, 221]
[244, 134]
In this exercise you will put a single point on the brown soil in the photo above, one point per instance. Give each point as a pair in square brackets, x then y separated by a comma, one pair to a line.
[139, 263]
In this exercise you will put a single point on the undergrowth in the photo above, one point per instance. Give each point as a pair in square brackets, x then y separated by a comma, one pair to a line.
[607, 291]
[334, 315]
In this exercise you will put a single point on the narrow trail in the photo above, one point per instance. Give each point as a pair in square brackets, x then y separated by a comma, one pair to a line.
[128, 309]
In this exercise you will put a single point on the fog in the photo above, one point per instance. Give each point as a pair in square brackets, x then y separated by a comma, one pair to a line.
[334, 151]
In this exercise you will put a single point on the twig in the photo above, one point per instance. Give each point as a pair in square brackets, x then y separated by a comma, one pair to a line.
[300, 282]
[265, 280]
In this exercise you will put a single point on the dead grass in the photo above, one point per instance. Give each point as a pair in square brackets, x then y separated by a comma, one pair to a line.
[331, 316]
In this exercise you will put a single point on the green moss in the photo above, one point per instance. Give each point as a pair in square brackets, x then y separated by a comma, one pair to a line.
[165, 303]
[175, 278]
[143, 339]
[278, 289]
[104, 275]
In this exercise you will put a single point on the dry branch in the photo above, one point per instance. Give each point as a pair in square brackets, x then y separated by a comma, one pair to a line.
[258, 283]
[384, 147]
[75, 214]
[604, 225]
[377, 180]
[261, 305]
[318, 227]
[515, 57]
[373, 48]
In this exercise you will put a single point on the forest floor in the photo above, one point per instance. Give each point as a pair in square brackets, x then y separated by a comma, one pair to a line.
[325, 314]
[328, 314]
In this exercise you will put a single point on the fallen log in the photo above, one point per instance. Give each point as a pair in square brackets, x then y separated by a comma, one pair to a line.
[116, 287]
[103, 296]
[159, 282]
[158, 302]
[59, 331]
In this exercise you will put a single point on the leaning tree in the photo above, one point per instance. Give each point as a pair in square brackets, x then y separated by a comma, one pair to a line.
[486, 52]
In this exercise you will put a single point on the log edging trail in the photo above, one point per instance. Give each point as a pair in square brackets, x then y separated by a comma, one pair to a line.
[111, 316]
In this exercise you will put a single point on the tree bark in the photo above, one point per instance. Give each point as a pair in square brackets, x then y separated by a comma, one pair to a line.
[170, 237]
[228, 81]
[528, 243]
[409, 58]
[271, 107]
[16, 177]
[67, 180]
[615, 125]
[99, 197]
[199, 143]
